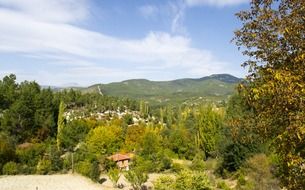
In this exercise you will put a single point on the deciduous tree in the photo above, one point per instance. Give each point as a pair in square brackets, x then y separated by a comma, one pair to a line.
[273, 37]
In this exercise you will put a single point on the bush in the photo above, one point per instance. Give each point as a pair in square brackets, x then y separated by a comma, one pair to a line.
[258, 175]
[44, 166]
[211, 164]
[234, 156]
[106, 164]
[176, 167]
[29, 157]
[185, 180]
[7, 149]
[25, 169]
[222, 185]
[164, 183]
[54, 156]
[89, 169]
[165, 163]
[241, 180]
[114, 176]
[10, 168]
[198, 164]
[136, 178]
[143, 164]
[192, 180]
[67, 162]
[156, 162]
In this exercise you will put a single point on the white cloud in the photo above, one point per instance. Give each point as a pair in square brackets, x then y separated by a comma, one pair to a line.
[178, 12]
[63, 11]
[179, 8]
[149, 11]
[220, 3]
[53, 38]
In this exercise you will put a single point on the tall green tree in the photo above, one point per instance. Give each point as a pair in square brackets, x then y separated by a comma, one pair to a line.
[240, 138]
[8, 88]
[273, 37]
[208, 127]
[104, 140]
[60, 122]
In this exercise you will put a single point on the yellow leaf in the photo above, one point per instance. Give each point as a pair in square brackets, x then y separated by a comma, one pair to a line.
[299, 136]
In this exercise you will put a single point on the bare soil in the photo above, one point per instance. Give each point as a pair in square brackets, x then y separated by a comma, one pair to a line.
[62, 182]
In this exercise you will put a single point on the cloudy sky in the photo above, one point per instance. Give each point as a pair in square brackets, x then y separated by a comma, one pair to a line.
[59, 42]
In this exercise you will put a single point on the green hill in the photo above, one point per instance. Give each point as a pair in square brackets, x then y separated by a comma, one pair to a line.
[214, 88]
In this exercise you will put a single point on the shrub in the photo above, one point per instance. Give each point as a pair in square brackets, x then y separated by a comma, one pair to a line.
[222, 185]
[234, 156]
[176, 167]
[185, 180]
[143, 164]
[89, 169]
[156, 162]
[29, 157]
[106, 164]
[165, 162]
[164, 183]
[10, 168]
[192, 180]
[211, 164]
[136, 178]
[25, 169]
[54, 156]
[198, 164]
[67, 162]
[241, 180]
[7, 149]
[44, 166]
[114, 176]
[258, 173]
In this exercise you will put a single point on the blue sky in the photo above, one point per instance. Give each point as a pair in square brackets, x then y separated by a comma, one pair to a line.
[60, 42]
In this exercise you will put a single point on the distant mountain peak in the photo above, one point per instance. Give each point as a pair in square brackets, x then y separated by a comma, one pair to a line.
[223, 78]
[71, 84]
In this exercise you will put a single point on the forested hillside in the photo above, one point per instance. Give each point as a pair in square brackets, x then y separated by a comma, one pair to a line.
[214, 88]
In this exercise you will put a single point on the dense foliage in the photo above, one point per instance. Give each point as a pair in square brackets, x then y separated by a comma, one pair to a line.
[183, 181]
[273, 37]
[71, 131]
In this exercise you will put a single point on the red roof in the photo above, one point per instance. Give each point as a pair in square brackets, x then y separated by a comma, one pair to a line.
[119, 157]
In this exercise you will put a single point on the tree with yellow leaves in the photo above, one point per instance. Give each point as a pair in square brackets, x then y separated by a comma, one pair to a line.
[273, 37]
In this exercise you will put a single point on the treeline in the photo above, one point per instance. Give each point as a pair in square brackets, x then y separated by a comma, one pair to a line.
[29, 114]
[37, 137]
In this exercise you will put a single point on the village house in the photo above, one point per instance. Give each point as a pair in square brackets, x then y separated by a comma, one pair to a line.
[122, 161]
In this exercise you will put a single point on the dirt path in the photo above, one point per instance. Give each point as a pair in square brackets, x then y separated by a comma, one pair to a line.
[47, 182]
[61, 182]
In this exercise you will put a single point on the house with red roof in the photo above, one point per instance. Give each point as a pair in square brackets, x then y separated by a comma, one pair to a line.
[122, 160]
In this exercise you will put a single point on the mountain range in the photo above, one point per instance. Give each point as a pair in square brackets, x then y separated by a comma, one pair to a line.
[213, 88]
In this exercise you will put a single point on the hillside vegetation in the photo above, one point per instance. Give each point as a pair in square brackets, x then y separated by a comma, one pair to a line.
[214, 88]
[47, 132]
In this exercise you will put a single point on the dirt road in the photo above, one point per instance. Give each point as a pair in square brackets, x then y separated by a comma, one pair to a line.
[60, 182]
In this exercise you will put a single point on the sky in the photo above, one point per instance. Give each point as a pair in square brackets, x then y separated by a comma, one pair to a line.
[84, 42]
